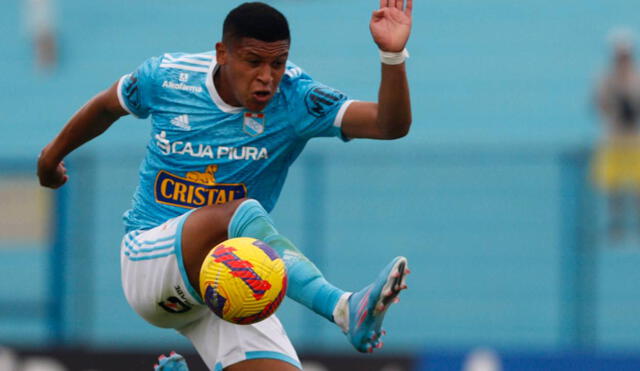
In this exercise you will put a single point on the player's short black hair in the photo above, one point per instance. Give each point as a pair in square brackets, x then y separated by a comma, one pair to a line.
[255, 20]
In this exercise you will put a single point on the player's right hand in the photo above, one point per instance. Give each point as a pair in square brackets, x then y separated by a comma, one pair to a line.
[51, 176]
[390, 25]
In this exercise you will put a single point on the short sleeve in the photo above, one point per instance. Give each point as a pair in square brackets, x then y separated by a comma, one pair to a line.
[135, 89]
[316, 109]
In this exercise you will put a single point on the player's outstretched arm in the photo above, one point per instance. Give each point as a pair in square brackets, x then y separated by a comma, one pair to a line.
[390, 117]
[90, 121]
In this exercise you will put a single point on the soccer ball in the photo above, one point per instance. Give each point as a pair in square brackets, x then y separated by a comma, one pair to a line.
[243, 280]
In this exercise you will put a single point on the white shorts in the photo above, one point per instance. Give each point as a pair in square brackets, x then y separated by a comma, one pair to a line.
[156, 286]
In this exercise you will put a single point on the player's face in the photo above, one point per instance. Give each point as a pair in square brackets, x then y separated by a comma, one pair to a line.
[252, 70]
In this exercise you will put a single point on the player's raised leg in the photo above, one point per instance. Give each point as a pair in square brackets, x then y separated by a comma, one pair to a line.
[208, 226]
[308, 286]
[306, 283]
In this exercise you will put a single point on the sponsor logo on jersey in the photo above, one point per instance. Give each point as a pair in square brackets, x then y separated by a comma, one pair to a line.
[253, 123]
[179, 147]
[174, 305]
[181, 121]
[321, 99]
[181, 86]
[196, 189]
[242, 153]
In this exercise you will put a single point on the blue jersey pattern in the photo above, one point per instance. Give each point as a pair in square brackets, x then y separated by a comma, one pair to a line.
[203, 151]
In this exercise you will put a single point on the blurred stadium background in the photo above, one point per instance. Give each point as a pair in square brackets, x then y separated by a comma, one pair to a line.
[488, 196]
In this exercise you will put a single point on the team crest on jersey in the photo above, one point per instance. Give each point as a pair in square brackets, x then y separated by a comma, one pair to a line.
[196, 189]
[253, 123]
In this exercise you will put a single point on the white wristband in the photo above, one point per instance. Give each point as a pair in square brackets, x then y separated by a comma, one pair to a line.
[393, 58]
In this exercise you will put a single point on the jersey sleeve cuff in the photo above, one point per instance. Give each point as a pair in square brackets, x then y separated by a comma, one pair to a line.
[121, 98]
[337, 122]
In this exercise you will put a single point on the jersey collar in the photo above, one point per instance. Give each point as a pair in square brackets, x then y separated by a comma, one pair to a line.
[215, 97]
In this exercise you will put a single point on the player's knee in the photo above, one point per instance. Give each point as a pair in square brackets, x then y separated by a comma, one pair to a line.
[231, 206]
[247, 213]
[207, 226]
[246, 208]
[246, 202]
[212, 219]
[253, 204]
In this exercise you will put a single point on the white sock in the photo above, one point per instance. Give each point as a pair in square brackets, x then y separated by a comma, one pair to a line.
[341, 312]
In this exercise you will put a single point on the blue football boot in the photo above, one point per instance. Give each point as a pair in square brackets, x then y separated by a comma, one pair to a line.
[175, 362]
[368, 306]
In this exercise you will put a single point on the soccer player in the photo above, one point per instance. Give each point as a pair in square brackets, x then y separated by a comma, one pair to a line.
[226, 126]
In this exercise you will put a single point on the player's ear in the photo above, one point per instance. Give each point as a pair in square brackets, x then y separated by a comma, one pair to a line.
[221, 53]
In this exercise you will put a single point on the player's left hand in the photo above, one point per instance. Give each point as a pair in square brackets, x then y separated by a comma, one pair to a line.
[391, 24]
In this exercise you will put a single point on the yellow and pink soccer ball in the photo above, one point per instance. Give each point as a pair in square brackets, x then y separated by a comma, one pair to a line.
[243, 280]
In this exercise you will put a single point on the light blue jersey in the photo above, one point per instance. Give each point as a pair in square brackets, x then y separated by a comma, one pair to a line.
[203, 151]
